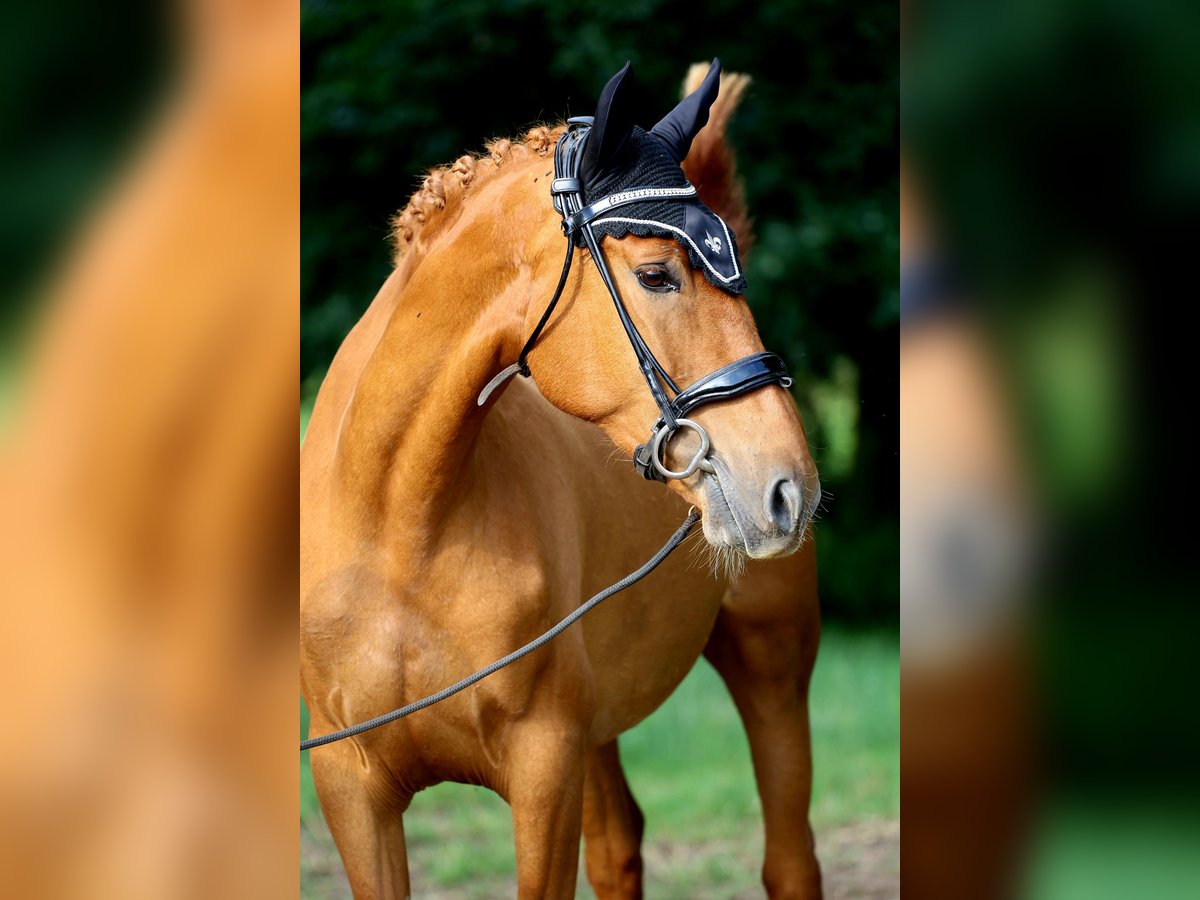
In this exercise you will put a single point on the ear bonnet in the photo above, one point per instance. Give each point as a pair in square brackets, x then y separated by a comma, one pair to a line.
[620, 156]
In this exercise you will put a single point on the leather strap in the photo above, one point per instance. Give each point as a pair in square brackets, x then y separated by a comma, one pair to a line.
[567, 154]
[733, 380]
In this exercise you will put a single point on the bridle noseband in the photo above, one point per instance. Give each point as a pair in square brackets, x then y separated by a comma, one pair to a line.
[740, 377]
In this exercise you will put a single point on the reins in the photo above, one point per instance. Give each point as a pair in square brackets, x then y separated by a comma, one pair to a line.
[632, 578]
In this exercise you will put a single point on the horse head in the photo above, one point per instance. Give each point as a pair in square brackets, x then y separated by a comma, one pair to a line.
[676, 271]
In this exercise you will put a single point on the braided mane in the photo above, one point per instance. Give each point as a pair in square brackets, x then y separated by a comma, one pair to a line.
[441, 193]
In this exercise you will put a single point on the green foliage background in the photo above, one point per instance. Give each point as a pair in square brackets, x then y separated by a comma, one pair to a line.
[392, 89]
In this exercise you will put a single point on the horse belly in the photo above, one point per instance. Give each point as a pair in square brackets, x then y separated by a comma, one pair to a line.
[644, 644]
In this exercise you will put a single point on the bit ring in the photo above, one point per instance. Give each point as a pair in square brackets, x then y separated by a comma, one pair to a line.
[699, 461]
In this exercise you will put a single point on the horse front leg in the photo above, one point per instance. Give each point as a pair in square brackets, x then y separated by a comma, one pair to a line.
[764, 645]
[544, 787]
[368, 830]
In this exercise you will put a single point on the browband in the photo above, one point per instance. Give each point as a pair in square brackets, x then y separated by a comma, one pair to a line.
[575, 221]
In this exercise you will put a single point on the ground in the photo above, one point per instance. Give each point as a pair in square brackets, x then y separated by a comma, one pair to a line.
[689, 767]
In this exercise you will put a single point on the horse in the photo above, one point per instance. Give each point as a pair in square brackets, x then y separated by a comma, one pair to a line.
[438, 534]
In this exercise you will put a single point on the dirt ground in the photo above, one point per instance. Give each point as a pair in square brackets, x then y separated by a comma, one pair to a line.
[860, 861]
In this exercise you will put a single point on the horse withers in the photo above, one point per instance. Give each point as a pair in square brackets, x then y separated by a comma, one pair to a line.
[438, 534]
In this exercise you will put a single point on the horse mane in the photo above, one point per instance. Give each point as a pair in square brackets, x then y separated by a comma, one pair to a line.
[442, 191]
[710, 166]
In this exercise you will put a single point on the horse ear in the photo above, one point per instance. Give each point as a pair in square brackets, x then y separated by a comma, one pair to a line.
[612, 124]
[684, 122]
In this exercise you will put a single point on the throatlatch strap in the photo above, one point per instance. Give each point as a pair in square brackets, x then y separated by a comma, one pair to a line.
[522, 360]
[521, 366]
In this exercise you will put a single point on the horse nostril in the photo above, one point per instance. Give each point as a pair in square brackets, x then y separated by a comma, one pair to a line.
[783, 504]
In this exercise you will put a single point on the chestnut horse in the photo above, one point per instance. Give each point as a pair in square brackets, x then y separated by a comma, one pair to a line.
[437, 536]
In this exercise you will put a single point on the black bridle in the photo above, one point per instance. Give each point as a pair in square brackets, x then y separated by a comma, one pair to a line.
[737, 378]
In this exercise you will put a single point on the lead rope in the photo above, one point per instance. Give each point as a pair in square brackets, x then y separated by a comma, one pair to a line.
[632, 578]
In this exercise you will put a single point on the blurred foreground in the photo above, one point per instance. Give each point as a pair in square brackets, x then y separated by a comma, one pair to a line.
[148, 462]
[1050, 198]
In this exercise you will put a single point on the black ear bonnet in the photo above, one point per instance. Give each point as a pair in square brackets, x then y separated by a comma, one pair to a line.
[621, 156]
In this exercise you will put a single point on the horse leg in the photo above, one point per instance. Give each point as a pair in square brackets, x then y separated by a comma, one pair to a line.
[544, 787]
[764, 645]
[612, 827]
[369, 833]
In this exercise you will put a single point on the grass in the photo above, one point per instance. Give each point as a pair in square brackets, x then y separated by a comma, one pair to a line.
[689, 767]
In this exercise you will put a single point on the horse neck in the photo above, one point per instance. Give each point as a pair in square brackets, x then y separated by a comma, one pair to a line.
[411, 425]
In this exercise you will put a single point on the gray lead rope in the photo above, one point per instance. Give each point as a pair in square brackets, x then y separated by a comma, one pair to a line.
[632, 578]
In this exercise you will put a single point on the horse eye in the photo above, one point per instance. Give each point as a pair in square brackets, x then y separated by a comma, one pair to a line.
[656, 278]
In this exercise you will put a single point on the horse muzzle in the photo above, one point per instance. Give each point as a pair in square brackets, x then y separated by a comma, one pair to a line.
[761, 518]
